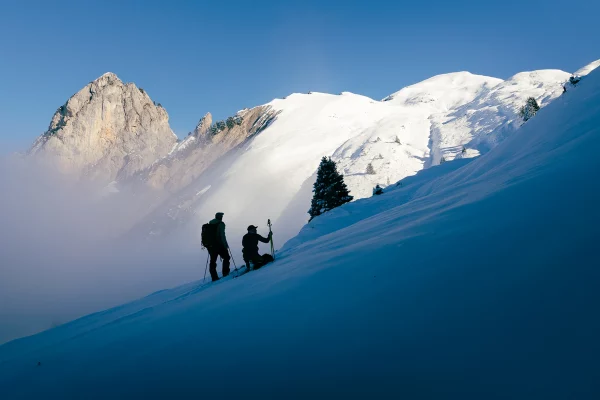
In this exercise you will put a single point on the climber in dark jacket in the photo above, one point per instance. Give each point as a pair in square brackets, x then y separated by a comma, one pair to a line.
[250, 248]
[221, 248]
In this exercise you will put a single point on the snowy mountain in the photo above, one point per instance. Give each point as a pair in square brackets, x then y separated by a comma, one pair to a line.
[261, 162]
[473, 279]
[482, 123]
[270, 175]
[443, 92]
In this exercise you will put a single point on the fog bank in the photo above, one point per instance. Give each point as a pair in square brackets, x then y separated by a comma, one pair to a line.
[63, 253]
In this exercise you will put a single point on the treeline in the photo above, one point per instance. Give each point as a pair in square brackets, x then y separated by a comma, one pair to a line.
[229, 123]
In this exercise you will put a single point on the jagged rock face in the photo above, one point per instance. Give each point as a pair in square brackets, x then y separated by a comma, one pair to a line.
[190, 158]
[107, 130]
[203, 126]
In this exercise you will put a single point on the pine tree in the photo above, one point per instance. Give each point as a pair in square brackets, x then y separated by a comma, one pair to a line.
[530, 108]
[230, 122]
[329, 190]
[220, 125]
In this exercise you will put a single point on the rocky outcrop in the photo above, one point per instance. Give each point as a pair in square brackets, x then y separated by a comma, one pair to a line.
[206, 144]
[107, 130]
[203, 126]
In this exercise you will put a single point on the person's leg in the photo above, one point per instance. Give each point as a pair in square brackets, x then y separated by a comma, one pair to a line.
[261, 261]
[258, 262]
[213, 264]
[225, 256]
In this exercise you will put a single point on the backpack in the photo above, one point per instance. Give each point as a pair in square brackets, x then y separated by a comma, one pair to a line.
[209, 235]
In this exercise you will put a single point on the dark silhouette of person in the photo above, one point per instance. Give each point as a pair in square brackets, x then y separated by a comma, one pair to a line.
[220, 249]
[250, 248]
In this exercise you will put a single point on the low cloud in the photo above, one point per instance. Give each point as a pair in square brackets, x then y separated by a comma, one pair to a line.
[63, 253]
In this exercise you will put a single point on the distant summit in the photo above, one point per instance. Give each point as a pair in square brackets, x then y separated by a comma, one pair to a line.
[108, 129]
[444, 92]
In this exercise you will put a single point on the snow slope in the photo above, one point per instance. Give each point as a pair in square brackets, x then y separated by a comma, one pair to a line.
[443, 92]
[587, 69]
[478, 281]
[410, 130]
[399, 145]
[493, 115]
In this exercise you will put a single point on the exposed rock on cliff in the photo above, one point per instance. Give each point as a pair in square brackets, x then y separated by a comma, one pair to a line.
[107, 130]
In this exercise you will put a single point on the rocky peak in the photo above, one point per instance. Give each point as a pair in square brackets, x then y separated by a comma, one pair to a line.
[203, 126]
[108, 78]
[108, 129]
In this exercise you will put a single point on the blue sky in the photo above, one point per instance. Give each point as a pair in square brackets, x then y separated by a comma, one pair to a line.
[222, 56]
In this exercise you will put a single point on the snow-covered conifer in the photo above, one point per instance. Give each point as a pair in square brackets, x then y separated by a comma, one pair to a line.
[530, 108]
[329, 189]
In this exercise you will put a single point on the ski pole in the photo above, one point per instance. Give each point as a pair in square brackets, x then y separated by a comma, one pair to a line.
[231, 254]
[207, 256]
[271, 234]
